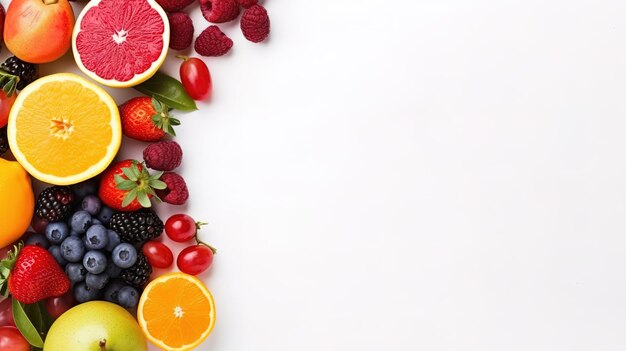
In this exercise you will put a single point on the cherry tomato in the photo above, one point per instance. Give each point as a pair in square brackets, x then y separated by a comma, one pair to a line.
[195, 259]
[5, 106]
[6, 313]
[56, 306]
[195, 76]
[159, 255]
[11, 339]
[181, 227]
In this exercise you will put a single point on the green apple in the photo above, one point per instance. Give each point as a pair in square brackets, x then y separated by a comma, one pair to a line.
[95, 326]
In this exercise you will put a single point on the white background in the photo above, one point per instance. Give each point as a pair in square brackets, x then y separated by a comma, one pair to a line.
[415, 175]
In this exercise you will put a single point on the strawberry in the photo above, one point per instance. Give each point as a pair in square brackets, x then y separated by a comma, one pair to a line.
[127, 186]
[33, 275]
[146, 119]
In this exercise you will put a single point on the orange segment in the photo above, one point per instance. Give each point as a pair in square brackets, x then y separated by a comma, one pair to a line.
[63, 129]
[176, 312]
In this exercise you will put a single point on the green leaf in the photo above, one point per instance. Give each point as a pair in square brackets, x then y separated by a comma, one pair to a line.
[158, 184]
[132, 195]
[174, 121]
[170, 130]
[126, 185]
[24, 324]
[158, 105]
[168, 91]
[143, 199]
[128, 172]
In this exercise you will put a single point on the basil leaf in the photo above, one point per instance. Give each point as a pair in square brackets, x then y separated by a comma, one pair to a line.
[168, 91]
[25, 326]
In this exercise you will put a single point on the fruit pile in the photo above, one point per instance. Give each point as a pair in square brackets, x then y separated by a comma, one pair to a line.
[82, 260]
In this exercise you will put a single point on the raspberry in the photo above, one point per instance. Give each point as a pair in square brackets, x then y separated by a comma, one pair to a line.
[255, 24]
[176, 192]
[181, 30]
[174, 5]
[163, 156]
[212, 42]
[247, 3]
[219, 11]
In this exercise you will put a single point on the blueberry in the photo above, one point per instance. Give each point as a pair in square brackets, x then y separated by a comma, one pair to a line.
[95, 262]
[97, 237]
[105, 214]
[74, 233]
[83, 294]
[55, 251]
[128, 297]
[81, 220]
[37, 239]
[85, 188]
[97, 281]
[112, 270]
[95, 221]
[112, 290]
[114, 240]
[124, 255]
[56, 232]
[73, 249]
[91, 204]
[75, 272]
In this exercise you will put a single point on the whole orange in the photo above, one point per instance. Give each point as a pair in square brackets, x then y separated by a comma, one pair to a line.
[38, 31]
[17, 202]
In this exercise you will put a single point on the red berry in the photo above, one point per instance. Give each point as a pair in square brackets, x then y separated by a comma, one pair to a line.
[181, 227]
[255, 24]
[159, 255]
[195, 259]
[146, 119]
[181, 30]
[163, 156]
[174, 5]
[195, 76]
[219, 11]
[36, 276]
[212, 42]
[176, 192]
[247, 3]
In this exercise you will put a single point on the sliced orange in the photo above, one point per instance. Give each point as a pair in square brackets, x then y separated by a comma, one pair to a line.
[64, 129]
[176, 312]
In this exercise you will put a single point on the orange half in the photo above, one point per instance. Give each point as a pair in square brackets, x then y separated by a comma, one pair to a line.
[176, 312]
[64, 129]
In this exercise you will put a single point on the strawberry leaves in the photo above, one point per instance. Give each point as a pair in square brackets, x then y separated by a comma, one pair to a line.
[8, 82]
[139, 184]
[162, 118]
[6, 265]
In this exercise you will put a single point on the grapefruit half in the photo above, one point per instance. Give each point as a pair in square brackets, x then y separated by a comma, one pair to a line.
[121, 43]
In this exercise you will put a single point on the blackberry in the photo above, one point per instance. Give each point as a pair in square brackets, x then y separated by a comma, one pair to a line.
[26, 71]
[137, 275]
[136, 227]
[4, 142]
[55, 203]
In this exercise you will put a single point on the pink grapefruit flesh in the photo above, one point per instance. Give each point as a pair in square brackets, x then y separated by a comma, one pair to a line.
[121, 43]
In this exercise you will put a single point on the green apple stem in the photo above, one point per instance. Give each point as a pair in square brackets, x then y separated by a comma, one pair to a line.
[103, 345]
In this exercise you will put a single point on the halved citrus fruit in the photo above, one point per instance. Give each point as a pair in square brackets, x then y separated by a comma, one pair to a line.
[64, 129]
[176, 312]
[121, 43]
